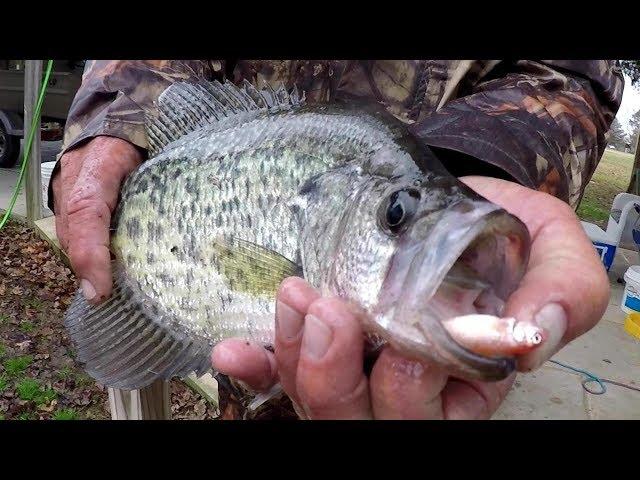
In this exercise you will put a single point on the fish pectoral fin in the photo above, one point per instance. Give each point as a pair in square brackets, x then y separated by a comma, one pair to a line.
[249, 267]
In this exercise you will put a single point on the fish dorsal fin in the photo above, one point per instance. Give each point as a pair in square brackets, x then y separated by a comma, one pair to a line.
[184, 107]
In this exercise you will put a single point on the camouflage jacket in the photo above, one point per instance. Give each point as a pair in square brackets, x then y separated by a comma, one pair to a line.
[542, 122]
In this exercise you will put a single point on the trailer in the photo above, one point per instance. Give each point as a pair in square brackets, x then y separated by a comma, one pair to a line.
[63, 84]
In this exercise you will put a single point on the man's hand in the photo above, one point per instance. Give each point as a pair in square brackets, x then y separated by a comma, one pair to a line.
[319, 342]
[85, 194]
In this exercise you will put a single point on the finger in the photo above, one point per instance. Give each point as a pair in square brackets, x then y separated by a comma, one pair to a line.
[330, 380]
[89, 206]
[566, 289]
[59, 211]
[70, 164]
[473, 400]
[406, 389]
[245, 361]
[294, 298]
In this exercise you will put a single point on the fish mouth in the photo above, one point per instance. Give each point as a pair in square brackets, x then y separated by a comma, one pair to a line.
[471, 260]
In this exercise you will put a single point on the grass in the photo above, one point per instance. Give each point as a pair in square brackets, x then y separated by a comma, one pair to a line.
[64, 373]
[82, 379]
[610, 178]
[17, 365]
[2, 350]
[3, 384]
[65, 414]
[3, 318]
[34, 303]
[29, 389]
[27, 327]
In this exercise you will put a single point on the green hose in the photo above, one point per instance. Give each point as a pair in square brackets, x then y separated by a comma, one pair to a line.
[27, 147]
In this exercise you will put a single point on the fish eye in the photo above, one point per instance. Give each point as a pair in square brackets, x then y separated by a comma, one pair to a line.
[399, 209]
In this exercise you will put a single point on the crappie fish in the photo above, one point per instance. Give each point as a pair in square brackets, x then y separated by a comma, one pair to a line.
[245, 187]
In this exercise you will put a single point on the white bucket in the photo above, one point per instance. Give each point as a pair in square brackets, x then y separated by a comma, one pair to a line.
[631, 298]
[46, 169]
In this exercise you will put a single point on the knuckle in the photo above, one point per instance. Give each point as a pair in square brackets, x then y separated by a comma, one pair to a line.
[86, 205]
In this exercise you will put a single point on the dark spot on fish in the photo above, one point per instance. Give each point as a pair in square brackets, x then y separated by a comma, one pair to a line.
[133, 228]
[208, 210]
[166, 279]
[189, 185]
[174, 250]
[185, 210]
[162, 210]
[219, 220]
[236, 202]
[159, 231]
[192, 247]
[310, 185]
[142, 186]
[155, 179]
[178, 172]
[151, 231]
[130, 259]
[249, 221]
[194, 209]
[151, 259]
[247, 186]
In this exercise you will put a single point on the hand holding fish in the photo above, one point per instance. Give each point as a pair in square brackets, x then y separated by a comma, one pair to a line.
[85, 194]
[319, 349]
[245, 188]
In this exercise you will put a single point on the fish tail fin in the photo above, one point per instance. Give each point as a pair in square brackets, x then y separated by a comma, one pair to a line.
[122, 344]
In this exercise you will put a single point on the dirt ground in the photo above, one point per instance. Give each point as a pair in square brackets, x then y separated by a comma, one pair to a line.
[39, 378]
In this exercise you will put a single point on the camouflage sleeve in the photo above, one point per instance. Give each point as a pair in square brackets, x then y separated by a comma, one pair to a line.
[544, 123]
[114, 94]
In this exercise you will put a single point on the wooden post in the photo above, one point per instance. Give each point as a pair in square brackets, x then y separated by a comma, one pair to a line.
[33, 184]
[150, 403]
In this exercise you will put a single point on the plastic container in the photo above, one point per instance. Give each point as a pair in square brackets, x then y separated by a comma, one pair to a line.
[632, 325]
[46, 169]
[631, 297]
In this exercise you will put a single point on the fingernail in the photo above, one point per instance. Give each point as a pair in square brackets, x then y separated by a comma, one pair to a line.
[316, 338]
[553, 319]
[289, 321]
[87, 289]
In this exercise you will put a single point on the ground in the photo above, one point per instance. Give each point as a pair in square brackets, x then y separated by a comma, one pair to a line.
[39, 378]
[610, 178]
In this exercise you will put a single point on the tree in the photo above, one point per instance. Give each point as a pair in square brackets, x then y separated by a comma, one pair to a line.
[634, 183]
[617, 136]
[632, 69]
[634, 125]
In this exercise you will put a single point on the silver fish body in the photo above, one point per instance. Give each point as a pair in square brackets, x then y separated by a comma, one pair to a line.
[247, 188]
